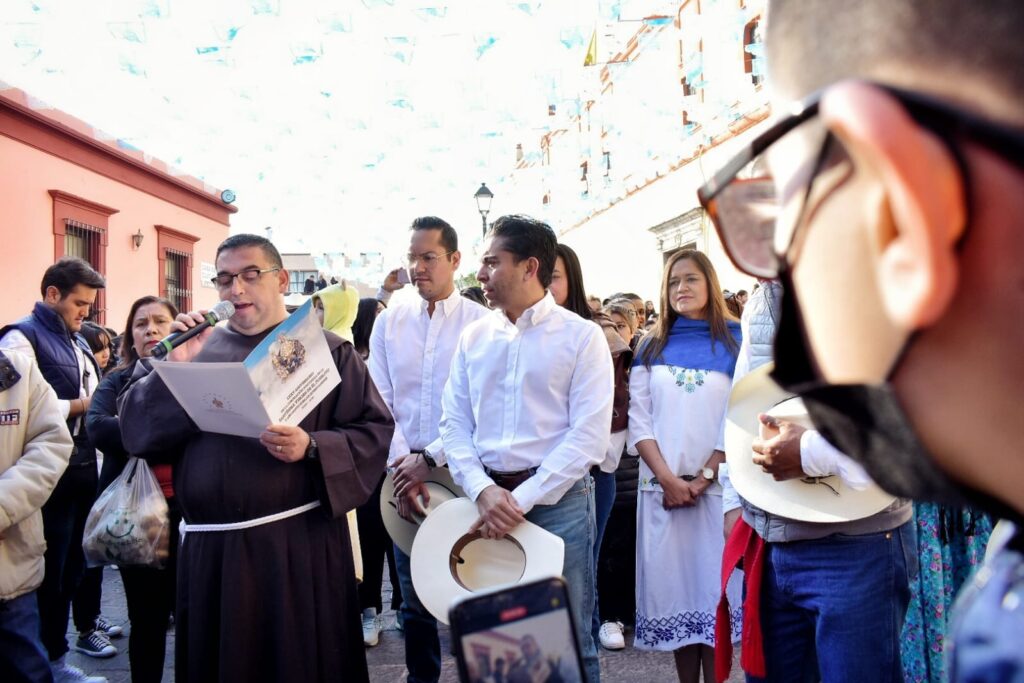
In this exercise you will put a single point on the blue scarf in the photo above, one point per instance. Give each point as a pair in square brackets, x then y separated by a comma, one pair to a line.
[690, 346]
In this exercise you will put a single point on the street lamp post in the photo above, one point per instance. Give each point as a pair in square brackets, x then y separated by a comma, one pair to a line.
[483, 198]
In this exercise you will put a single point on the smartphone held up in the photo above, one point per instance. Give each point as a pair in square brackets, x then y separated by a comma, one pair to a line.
[520, 634]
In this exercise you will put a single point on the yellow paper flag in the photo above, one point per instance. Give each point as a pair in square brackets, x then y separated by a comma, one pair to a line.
[591, 58]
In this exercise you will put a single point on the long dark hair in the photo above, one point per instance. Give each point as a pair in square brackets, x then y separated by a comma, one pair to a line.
[715, 312]
[363, 326]
[98, 339]
[576, 301]
[128, 354]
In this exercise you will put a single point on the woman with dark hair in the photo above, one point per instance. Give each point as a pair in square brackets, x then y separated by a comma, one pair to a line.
[679, 388]
[567, 283]
[99, 341]
[367, 313]
[149, 591]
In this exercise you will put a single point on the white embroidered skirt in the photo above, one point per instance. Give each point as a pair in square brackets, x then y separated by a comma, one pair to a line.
[678, 573]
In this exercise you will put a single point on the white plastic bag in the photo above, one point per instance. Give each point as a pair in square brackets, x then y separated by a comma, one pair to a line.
[128, 523]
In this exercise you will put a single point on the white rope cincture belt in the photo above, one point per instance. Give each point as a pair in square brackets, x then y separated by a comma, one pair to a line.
[184, 528]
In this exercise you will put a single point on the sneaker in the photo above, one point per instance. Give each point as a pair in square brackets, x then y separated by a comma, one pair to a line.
[371, 629]
[610, 635]
[94, 644]
[110, 630]
[65, 673]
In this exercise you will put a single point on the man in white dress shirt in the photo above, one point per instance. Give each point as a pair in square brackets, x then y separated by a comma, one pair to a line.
[411, 352]
[527, 409]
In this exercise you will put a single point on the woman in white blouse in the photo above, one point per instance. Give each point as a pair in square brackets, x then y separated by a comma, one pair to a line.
[679, 389]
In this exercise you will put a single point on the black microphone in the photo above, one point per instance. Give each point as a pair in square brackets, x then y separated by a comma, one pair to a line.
[222, 311]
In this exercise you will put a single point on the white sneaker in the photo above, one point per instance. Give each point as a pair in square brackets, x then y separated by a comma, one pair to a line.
[610, 635]
[66, 673]
[371, 628]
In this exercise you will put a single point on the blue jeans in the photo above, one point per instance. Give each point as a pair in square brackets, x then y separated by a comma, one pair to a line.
[832, 609]
[22, 656]
[572, 519]
[604, 497]
[422, 647]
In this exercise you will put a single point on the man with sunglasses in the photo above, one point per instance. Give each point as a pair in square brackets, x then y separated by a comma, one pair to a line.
[411, 351]
[889, 205]
[266, 584]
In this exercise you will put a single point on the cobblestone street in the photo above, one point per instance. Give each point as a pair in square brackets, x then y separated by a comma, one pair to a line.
[386, 661]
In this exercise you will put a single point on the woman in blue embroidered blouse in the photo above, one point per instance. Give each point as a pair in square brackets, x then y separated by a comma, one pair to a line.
[679, 390]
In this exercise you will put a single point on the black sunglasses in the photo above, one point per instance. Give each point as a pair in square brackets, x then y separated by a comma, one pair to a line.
[741, 197]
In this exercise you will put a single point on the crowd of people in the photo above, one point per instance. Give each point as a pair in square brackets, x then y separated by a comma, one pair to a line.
[599, 419]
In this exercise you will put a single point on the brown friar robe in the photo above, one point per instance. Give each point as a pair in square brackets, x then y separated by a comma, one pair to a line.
[276, 602]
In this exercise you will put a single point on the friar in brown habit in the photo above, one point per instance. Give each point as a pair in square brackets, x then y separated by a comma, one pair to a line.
[277, 601]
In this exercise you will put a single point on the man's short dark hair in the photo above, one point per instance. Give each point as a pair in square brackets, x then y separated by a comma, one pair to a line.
[247, 240]
[449, 238]
[528, 237]
[69, 272]
[811, 45]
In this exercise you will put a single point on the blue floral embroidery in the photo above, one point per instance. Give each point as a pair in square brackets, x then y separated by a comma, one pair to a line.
[688, 378]
[685, 627]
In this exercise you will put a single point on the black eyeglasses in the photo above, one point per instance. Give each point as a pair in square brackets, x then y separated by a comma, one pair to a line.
[249, 275]
[757, 219]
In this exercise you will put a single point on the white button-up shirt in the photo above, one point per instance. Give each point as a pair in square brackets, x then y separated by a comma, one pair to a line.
[410, 356]
[537, 393]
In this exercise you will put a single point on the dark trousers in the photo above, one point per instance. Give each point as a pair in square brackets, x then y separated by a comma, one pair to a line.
[150, 594]
[375, 545]
[604, 498]
[616, 565]
[64, 517]
[22, 657]
[422, 645]
[85, 603]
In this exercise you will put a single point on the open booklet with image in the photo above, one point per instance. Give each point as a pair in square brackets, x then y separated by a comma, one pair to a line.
[280, 381]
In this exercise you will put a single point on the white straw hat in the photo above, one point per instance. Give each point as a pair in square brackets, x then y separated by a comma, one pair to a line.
[442, 489]
[448, 563]
[826, 499]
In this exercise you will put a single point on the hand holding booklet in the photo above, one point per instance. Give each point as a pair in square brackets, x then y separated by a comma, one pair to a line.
[280, 382]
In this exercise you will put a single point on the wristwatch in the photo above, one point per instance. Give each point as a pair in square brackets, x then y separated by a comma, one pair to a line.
[312, 450]
[708, 473]
[427, 458]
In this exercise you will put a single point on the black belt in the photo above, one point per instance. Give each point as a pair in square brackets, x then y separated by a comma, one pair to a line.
[509, 480]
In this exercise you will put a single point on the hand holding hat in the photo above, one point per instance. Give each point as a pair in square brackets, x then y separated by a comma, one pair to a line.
[449, 562]
[403, 514]
[412, 495]
[499, 513]
[763, 430]
[413, 502]
[410, 470]
[777, 448]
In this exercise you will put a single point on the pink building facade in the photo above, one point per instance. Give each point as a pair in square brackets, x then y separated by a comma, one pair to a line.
[66, 189]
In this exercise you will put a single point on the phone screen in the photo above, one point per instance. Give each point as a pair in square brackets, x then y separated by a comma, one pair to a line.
[519, 634]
